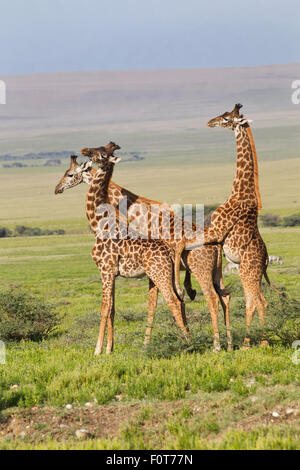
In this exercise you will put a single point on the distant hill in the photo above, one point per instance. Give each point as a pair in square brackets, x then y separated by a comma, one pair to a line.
[163, 112]
[51, 158]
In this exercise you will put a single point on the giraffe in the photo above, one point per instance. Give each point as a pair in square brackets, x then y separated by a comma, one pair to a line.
[205, 262]
[126, 256]
[234, 223]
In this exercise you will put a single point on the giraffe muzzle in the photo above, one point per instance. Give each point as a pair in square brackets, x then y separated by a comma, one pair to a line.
[58, 189]
[86, 152]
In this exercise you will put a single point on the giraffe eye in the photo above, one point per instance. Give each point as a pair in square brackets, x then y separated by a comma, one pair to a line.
[70, 176]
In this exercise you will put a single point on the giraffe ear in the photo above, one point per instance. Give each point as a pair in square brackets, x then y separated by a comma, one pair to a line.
[114, 159]
[86, 166]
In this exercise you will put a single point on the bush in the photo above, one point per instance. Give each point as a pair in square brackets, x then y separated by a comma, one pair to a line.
[291, 220]
[22, 231]
[24, 316]
[283, 320]
[5, 232]
[282, 326]
[19, 230]
[270, 220]
[209, 209]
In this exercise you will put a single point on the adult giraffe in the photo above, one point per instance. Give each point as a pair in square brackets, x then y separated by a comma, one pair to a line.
[127, 256]
[234, 223]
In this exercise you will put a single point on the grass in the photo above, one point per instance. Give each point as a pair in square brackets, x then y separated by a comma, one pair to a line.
[30, 198]
[152, 391]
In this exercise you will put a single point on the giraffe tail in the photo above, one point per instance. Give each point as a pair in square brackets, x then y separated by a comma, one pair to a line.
[272, 285]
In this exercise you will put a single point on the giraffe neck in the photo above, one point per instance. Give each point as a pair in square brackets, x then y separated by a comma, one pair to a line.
[116, 194]
[245, 185]
[97, 194]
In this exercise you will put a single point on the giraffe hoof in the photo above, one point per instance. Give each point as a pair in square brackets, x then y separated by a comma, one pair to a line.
[192, 294]
[217, 348]
[229, 347]
[246, 344]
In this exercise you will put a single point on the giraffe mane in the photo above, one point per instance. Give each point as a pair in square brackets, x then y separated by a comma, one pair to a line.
[255, 164]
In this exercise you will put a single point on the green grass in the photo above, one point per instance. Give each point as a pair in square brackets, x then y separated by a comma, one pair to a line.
[62, 369]
[30, 199]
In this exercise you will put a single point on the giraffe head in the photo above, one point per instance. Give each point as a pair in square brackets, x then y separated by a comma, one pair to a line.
[230, 120]
[76, 174]
[105, 161]
[95, 153]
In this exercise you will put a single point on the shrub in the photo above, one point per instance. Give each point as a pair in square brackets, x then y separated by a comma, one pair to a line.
[291, 220]
[208, 212]
[283, 324]
[270, 220]
[59, 232]
[22, 231]
[5, 232]
[24, 316]
[19, 230]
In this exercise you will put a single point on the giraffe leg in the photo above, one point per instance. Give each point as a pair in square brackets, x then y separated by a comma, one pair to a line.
[261, 305]
[212, 300]
[152, 302]
[177, 308]
[188, 285]
[225, 301]
[179, 249]
[250, 309]
[203, 262]
[107, 289]
[251, 271]
[264, 341]
[161, 272]
[224, 296]
[110, 329]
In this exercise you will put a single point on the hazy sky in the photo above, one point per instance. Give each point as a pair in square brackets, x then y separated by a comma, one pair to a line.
[67, 35]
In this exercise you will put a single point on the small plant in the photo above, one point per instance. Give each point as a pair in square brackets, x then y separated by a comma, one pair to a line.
[291, 220]
[24, 316]
[208, 212]
[22, 231]
[283, 325]
[5, 232]
[270, 220]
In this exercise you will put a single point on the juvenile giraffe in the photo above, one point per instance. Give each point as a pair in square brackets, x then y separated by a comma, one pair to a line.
[126, 256]
[205, 262]
[234, 223]
[178, 230]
